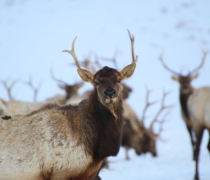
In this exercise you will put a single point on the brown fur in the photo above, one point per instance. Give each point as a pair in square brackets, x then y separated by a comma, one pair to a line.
[142, 141]
[95, 125]
[187, 91]
[67, 142]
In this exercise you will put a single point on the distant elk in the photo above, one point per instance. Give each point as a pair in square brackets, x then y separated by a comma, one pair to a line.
[135, 135]
[195, 107]
[22, 107]
[17, 106]
[70, 90]
[66, 142]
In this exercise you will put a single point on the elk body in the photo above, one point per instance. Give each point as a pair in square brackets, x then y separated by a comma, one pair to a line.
[22, 107]
[66, 142]
[194, 107]
[199, 110]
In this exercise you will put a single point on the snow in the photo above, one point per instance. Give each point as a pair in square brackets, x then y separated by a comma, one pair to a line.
[34, 33]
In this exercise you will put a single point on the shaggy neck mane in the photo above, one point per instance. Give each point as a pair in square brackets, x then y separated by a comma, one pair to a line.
[102, 131]
[183, 101]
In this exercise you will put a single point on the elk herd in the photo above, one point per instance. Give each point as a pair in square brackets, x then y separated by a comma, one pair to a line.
[71, 136]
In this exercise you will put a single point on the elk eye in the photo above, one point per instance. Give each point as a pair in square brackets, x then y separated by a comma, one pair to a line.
[96, 83]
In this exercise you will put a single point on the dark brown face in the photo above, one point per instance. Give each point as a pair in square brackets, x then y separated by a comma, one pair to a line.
[108, 84]
[185, 84]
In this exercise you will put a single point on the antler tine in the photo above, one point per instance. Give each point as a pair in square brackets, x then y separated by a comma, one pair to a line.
[9, 88]
[52, 75]
[202, 61]
[33, 88]
[88, 65]
[147, 104]
[163, 121]
[97, 61]
[163, 106]
[112, 59]
[134, 59]
[72, 52]
[161, 59]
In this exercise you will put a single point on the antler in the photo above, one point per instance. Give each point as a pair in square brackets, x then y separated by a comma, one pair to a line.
[112, 59]
[202, 61]
[161, 59]
[72, 52]
[163, 107]
[52, 75]
[90, 65]
[147, 105]
[162, 121]
[9, 88]
[33, 88]
[134, 59]
[97, 61]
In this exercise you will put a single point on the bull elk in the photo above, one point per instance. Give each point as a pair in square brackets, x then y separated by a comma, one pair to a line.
[135, 135]
[66, 142]
[70, 90]
[195, 107]
[16, 106]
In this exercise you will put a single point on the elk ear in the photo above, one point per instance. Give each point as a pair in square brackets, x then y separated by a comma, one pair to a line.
[86, 75]
[193, 77]
[175, 78]
[128, 71]
[62, 87]
[80, 85]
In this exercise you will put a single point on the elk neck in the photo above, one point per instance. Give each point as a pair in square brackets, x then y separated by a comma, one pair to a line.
[183, 97]
[102, 129]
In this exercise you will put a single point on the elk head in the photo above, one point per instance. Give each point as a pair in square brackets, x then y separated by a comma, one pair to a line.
[126, 90]
[71, 90]
[130, 138]
[149, 136]
[185, 80]
[106, 81]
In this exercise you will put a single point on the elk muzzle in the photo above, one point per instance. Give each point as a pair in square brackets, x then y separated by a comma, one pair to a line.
[110, 95]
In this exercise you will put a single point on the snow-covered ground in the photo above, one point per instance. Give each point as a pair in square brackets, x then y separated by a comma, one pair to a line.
[34, 32]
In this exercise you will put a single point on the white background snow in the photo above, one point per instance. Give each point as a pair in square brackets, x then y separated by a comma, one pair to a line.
[33, 34]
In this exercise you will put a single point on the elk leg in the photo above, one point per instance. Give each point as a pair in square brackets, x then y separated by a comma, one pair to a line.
[97, 177]
[126, 154]
[208, 146]
[193, 142]
[199, 135]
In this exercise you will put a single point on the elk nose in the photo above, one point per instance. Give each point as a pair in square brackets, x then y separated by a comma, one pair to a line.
[109, 92]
